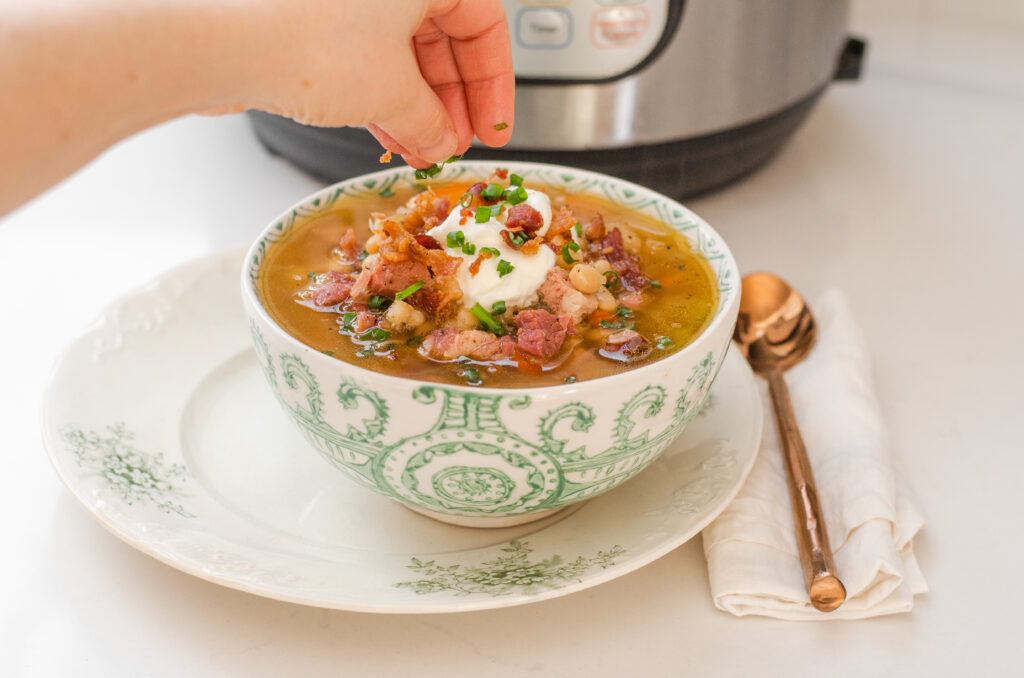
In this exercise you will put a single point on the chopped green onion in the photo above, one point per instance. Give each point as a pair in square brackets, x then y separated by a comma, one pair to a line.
[327, 352]
[518, 238]
[493, 251]
[434, 170]
[498, 308]
[472, 376]
[311, 275]
[387, 193]
[500, 126]
[611, 325]
[455, 239]
[567, 256]
[469, 248]
[378, 301]
[569, 380]
[411, 289]
[656, 284]
[348, 321]
[362, 255]
[516, 195]
[487, 320]
[504, 268]
[664, 342]
[578, 227]
[613, 278]
[414, 340]
[375, 334]
[515, 180]
[482, 215]
[623, 312]
[492, 192]
[367, 352]
[466, 200]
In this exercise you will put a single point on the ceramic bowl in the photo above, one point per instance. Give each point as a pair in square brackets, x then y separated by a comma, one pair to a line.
[492, 457]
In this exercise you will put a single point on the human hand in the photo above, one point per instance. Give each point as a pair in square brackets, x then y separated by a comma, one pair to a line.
[424, 76]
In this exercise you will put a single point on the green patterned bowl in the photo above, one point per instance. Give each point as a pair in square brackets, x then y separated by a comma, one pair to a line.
[488, 457]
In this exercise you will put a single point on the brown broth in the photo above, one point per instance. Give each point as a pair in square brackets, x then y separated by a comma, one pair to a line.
[680, 310]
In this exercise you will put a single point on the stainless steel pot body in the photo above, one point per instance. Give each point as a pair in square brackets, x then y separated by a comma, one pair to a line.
[721, 64]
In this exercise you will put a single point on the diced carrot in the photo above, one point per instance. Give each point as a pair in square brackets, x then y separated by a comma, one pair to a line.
[597, 316]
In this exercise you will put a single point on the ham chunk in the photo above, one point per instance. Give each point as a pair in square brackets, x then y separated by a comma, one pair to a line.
[626, 346]
[332, 293]
[562, 298]
[542, 334]
[626, 265]
[451, 343]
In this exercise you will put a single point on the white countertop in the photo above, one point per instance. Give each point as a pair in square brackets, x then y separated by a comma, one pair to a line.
[903, 190]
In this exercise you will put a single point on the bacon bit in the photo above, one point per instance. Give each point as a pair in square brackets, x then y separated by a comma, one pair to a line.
[607, 250]
[428, 242]
[385, 158]
[501, 173]
[531, 247]
[474, 268]
[349, 245]
[430, 222]
[596, 229]
[466, 212]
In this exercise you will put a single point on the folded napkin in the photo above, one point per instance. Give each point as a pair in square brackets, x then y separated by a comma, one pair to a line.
[753, 561]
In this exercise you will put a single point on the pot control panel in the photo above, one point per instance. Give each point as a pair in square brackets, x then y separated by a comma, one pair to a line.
[585, 39]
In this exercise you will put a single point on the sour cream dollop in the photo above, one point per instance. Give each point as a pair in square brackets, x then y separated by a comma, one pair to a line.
[518, 288]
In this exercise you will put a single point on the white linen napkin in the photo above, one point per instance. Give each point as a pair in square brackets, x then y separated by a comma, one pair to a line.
[753, 561]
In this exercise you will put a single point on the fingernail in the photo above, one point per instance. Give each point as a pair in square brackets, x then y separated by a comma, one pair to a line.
[442, 149]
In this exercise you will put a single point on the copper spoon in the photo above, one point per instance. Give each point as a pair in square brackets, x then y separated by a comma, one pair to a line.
[775, 330]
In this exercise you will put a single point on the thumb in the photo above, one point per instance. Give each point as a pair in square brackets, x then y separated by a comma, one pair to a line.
[415, 117]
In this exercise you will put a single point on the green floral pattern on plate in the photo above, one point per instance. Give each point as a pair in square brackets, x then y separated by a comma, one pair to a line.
[130, 474]
[510, 573]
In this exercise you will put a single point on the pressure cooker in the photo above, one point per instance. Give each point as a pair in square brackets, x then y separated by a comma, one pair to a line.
[682, 96]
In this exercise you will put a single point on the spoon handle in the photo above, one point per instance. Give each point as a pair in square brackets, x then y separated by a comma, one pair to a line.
[823, 586]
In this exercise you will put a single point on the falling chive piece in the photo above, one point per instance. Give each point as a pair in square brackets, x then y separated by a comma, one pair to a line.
[411, 289]
[487, 320]
[515, 180]
[500, 126]
[504, 268]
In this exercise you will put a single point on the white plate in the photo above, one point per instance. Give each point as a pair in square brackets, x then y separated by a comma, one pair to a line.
[159, 422]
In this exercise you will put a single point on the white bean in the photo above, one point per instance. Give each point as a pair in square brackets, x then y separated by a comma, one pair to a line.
[402, 317]
[606, 300]
[586, 278]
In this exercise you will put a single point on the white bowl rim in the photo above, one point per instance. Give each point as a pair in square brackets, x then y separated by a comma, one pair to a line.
[723, 314]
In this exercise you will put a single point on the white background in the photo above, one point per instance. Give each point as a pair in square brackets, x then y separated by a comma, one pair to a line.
[904, 190]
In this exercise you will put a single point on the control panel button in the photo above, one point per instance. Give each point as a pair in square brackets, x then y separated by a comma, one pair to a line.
[614, 27]
[547, 28]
